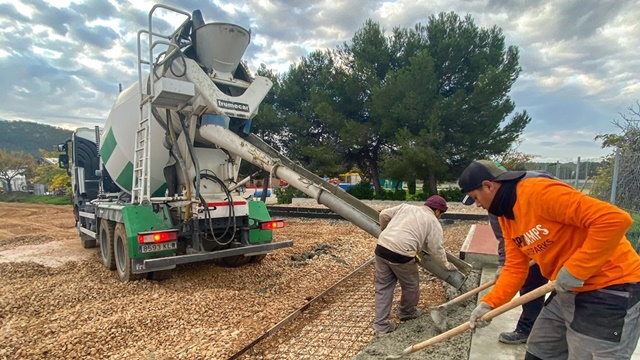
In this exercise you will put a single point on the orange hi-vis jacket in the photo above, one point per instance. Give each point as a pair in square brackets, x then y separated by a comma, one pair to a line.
[557, 225]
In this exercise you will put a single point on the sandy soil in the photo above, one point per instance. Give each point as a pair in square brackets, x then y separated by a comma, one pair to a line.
[44, 234]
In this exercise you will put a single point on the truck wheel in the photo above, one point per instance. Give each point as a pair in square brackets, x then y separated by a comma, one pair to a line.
[235, 261]
[106, 243]
[257, 258]
[121, 252]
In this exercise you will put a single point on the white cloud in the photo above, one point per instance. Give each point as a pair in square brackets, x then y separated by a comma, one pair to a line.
[62, 60]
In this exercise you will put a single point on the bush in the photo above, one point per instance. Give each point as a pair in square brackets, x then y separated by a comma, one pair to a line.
[421, 196]
[286, 194]
[22, 197]
[400, 195]
[362, 191]
[454, 195]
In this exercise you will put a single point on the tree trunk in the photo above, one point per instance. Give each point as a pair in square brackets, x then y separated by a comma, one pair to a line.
[9, 188]
[375, 178]
[433, 183]
[412, 187]
[265, 188]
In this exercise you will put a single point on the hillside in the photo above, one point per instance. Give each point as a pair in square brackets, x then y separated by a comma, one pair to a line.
[30, 136]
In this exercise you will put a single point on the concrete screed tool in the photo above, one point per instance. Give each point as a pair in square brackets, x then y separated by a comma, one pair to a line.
[437, 315]
[542, 290]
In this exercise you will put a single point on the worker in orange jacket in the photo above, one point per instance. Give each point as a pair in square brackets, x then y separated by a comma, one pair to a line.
[578, 241]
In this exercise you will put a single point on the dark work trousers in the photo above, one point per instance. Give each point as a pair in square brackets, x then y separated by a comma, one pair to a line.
[531, 310]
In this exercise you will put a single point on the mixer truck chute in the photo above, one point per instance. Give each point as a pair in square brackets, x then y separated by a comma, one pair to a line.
[173, 143]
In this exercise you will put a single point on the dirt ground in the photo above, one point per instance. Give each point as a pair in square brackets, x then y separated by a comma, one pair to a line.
[43, 234]
[58, 301]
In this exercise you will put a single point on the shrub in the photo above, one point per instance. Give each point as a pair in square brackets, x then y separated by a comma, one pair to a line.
[421, 196]
[286, 194]
[455, 195]
[362, 191]
[400, 195]
[22, 197]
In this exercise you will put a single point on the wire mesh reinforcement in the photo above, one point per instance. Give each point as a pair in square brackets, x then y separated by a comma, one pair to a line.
[338, 327]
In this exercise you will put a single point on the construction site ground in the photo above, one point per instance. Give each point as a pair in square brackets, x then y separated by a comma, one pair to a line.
[58, 301]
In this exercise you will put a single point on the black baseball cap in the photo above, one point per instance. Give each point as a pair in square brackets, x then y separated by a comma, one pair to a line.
[481, 170]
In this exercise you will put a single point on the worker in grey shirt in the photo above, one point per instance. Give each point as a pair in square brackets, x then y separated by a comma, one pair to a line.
[406, 230]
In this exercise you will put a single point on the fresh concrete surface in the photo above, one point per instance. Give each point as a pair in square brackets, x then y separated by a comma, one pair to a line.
[485, 344]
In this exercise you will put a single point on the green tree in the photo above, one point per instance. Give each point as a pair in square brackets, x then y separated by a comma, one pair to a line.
[364, 64]
[51, 174]
[297, 116]
[628, 141]
[475, 72]
[448, 87]
[13, 164]
[410, 120]
[420, 102]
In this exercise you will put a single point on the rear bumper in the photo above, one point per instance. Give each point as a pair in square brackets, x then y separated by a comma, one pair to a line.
[169, 262]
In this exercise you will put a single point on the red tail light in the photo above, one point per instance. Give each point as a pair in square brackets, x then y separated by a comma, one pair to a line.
[157, 236]
[272, 224]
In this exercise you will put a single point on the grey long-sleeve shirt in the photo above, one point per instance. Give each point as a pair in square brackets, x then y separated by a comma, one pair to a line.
[407, 229]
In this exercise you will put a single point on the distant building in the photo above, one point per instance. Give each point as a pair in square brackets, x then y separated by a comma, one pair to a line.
[18, 183]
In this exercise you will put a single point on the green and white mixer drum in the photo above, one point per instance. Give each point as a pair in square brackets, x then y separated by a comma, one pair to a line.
[118, 141]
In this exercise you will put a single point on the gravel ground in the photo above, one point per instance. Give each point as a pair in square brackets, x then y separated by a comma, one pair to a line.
[58, 301]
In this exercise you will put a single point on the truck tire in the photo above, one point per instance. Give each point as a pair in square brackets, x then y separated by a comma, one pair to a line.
[235, 261]
[257, 258]
[121, 252]
[106, 243]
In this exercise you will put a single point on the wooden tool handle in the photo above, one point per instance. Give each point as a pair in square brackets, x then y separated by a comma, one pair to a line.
[468, 294]
[488, 316]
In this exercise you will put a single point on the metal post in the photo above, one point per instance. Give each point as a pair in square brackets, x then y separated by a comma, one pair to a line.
[614, 183]
[577, 172]
[586, 171]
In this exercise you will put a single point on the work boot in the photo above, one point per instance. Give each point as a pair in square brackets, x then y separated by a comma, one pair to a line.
[513, 337]
[415, 314]
[392, 327]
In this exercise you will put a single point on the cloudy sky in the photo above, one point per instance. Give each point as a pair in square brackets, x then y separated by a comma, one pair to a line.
[61, 61]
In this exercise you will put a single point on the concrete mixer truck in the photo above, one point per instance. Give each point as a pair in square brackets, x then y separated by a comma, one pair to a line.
[157, 186]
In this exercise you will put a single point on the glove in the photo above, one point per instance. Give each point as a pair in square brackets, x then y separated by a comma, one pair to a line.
[450, 267]
[565, 281]
[497, 274]
[475, 320]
